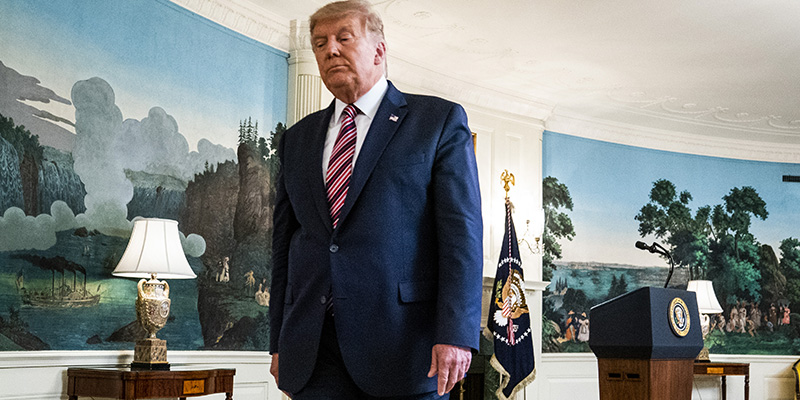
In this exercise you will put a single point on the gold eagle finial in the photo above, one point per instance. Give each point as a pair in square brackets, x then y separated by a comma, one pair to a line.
[507, 178]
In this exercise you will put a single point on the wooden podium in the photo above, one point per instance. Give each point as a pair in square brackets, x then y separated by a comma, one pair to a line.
[646, 342]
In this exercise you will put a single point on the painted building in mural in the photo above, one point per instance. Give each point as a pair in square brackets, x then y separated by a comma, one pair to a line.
[98, 127]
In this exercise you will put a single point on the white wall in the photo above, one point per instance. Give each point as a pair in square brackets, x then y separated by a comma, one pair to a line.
[42, 375]
[564, 376]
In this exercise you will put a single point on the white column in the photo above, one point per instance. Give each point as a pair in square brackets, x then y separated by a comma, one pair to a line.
[307, 93]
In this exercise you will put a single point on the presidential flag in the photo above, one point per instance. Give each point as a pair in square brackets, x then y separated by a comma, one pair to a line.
[509, 319]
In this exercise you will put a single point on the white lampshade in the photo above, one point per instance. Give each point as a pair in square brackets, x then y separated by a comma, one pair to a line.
[706, 299]
[154, 247]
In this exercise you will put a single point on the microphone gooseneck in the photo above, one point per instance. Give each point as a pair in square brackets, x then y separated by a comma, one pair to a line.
[657, 248]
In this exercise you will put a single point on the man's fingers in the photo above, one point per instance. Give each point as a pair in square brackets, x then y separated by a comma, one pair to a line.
[444, 384]
[434, 363]
[273, 368]
[451, 364]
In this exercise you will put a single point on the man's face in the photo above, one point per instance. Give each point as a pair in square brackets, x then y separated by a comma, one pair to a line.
[350, 60]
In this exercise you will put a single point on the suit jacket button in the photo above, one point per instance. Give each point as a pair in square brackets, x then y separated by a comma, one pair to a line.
[323, 300]
[334, 248]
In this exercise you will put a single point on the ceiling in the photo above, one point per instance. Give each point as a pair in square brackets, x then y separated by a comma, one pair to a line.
[721, 71]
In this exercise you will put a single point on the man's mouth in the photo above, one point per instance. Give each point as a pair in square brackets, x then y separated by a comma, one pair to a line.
[337, 67]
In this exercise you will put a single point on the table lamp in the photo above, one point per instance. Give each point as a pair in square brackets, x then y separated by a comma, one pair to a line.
[154, 250]
[706, 304]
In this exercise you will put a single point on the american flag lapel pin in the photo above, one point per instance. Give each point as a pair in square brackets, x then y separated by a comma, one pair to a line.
[393, 118]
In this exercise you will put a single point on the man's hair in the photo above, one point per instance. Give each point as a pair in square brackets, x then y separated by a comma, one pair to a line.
[341, 9]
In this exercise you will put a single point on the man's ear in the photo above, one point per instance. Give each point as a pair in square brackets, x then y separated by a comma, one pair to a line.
[380, 53]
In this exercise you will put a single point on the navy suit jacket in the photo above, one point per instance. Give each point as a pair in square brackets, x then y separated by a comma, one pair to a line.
[404, 264]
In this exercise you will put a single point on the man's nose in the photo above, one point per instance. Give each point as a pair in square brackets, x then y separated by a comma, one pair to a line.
[331, 48]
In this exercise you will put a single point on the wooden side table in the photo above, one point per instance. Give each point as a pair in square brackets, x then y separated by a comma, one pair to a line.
[122, 383]
[723, 370]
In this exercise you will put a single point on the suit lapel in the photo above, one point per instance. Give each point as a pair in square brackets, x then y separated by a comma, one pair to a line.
[387, 120]
[319, 191]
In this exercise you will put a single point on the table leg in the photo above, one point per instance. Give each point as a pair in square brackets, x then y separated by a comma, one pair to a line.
[724, 387]
[228, 395]
[747, 387]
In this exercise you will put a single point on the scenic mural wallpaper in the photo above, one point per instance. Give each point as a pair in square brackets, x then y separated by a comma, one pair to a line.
[111, 111]
[734, 222]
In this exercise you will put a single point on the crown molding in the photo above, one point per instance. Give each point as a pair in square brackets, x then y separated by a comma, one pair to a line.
[717, 142]
[673, 108]
[245, 18]
[410, 73]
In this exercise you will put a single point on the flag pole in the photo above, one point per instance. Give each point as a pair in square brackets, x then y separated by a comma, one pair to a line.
[509, 322]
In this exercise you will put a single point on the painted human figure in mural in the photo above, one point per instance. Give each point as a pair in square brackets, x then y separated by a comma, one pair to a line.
[249, 282]
[721, 324]
[224, 273]
[20, 280]
[569, 326]
[733, 319]
[755, 315]
[583, 328]
[773, 316]
[742, 324]
[786, 315]
[262, 295]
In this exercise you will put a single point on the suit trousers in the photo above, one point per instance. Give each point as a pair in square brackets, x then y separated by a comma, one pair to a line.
[331, 381]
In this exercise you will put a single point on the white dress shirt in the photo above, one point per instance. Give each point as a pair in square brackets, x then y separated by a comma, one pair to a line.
[368, 106]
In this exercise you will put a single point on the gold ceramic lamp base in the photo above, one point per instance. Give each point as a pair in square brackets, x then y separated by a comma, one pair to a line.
[152, 310]
[150, 354]
[705, 327]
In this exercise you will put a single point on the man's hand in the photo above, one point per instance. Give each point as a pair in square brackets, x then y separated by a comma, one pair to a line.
[273, 369]
[450, 363]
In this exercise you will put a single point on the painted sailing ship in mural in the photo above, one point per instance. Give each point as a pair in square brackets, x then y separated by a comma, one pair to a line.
[60, 294]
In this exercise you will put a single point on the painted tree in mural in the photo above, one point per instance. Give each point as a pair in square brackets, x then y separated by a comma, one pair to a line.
[618, 286]
[19, 191]
[558, 225]
[773, 280]
[715, 243]
[668, 216]
[734, 250]
[790, 268]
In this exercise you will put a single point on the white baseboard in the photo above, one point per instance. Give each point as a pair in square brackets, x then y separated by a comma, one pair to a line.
[42, 375]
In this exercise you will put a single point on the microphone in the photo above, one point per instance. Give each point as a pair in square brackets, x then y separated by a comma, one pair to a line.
[657, 248]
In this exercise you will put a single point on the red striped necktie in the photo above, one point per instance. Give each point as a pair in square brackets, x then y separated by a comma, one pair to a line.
[341, 163]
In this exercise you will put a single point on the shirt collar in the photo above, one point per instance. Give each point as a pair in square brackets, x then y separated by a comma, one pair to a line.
[368, 103]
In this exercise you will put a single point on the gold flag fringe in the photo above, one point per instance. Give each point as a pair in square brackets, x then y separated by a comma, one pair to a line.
[505, 377]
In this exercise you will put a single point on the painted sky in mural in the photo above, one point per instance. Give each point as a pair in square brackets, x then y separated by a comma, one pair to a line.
[175, 86]
[207, 85]
[610, 183]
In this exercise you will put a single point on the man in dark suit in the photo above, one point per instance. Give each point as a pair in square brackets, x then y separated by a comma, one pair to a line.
[377, 244]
